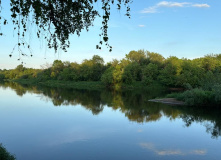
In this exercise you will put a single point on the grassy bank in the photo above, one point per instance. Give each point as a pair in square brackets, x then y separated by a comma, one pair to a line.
[95, 85]
[199, 96]
[63, 84]
[191, 97]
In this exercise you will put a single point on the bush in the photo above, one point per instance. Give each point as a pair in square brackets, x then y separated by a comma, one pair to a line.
[44, 75]
[217, 93]
[196, 97]
[2, 77]
[127, 77]
[25, 76]
[107, 77]
[147, 80]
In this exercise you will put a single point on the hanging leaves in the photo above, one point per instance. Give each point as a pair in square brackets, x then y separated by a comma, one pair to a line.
[56, 20]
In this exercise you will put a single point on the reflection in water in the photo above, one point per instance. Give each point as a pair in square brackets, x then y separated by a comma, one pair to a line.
[134, 104]
[166, 152]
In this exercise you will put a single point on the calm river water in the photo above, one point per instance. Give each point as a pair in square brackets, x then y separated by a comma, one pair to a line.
[39, 123]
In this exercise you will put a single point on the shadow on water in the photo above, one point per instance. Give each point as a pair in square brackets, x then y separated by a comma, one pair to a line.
[134, 104]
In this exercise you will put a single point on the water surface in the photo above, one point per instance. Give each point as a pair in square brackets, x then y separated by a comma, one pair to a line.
[39, 123]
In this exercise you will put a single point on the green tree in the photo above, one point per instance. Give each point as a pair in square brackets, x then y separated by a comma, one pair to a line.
[210, 62]
[119, 71]
[92, 70]
[117, 74]
[2, 76]
[75, 67]
[114, 62]
[107, 78]
[97, 68]
[136, 56]
[20, 68]
[85, 71]
[176, 62]
[132, 72]
[155, 58]
[127, 76]
[97, 60]
[167, 75]
[44, 74]
[191, 73]
[57, 65]
[56, 68]
[66, 74]
[149, 73]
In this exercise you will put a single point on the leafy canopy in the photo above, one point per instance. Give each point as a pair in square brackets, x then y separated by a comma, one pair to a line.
[56, 20]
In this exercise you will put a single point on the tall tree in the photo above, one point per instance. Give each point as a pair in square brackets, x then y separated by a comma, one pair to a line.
[136, 56]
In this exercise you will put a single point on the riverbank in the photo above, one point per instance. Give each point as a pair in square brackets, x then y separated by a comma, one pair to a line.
[170, 101]
[63, 84]
[190, 97]
[94, 85]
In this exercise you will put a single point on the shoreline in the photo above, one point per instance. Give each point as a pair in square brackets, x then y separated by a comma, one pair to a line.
[87, 84]
[170, 101]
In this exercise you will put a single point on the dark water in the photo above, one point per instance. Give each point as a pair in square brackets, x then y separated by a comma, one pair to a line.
[40, 123]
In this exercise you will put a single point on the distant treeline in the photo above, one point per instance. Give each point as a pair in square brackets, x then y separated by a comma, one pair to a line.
[143, 66]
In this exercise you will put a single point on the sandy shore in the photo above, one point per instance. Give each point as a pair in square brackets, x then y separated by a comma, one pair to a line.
[171, 101]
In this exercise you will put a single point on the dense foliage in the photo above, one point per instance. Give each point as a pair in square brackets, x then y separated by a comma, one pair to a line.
[201, 76]
[5, 155]
[56, 20]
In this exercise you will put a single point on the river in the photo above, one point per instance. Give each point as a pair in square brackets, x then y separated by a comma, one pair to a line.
[41, 123]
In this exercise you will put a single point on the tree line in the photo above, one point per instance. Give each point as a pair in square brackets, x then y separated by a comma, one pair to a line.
[142, 66]
[200, 77]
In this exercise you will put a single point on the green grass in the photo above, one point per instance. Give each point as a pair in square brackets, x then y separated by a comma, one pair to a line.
[63, 84]
[72, 84]
[25, 81]
[198, 97]
[173, 95]
[141, 85]
[86, 84]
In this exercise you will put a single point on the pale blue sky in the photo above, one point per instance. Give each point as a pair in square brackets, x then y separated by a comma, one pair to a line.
[182, 28]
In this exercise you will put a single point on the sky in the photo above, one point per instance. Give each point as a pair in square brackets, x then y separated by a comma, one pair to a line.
[182, 28]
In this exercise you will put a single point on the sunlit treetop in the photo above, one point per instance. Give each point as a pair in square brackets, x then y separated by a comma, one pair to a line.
[56, 20]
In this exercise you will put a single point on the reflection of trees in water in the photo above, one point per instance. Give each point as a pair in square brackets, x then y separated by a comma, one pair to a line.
[208, 117]
[91, 100]
[19, 89]
[134, 104]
